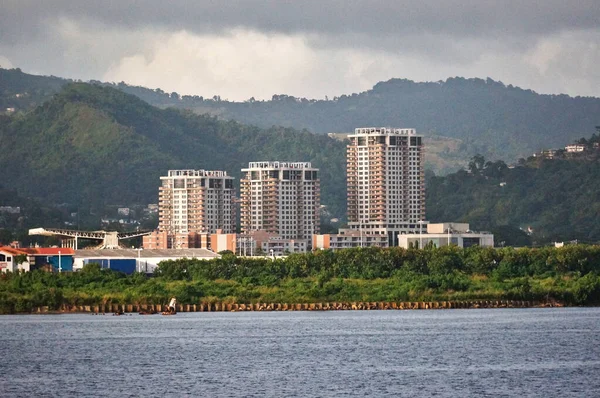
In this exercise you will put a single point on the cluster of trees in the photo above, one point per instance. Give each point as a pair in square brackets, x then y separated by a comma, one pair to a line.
[556, 198]
[569, 274]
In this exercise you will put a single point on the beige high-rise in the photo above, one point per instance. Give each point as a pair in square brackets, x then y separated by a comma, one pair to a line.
[385, 180]
[195, 202]
[281, 198]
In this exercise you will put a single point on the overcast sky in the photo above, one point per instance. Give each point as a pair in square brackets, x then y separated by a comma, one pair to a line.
[241, 49]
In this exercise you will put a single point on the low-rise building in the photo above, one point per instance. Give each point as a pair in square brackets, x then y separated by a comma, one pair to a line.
[140, 260]
[575, 148]
[163, 239]
[280, 246]
[7, 259]
[349, 238]
[445, 234]
[258, 242]
[60, 259]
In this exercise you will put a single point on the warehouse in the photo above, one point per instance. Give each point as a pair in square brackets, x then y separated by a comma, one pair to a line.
[131, 260]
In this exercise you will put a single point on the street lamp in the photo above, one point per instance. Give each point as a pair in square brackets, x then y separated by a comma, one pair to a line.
[59, 262]
[448, 236]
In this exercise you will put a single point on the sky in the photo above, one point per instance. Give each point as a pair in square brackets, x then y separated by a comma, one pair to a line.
[239, 49]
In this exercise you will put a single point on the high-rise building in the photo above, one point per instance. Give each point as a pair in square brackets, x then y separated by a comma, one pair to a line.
[386, 186]
[281, 198]
[194, 202]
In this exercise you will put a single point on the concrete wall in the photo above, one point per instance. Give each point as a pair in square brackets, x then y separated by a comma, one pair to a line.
[440, 228]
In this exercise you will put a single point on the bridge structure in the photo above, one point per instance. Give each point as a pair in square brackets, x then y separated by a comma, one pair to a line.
[69, 238]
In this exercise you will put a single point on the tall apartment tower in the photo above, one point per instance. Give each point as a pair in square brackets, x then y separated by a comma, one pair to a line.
[386, 186]
[195, 201]
[281, 198]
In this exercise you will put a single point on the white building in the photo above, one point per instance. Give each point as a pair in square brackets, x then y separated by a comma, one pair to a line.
[196, 201]
[444, 234]
[575, 148]
[386, 185]
[282, 198]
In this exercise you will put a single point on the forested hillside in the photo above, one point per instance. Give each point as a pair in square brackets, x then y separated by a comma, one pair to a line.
[557, 198]
[23, 91]
[496, 120]
[93, 144]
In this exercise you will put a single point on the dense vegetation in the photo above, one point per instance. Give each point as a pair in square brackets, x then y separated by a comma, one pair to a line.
[499, 121]
[568, 275]
[98, 145]
[23, 91]
[557, 198]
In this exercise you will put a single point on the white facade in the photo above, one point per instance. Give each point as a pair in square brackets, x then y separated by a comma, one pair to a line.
[196, 201]
[282, 198]
[444, 234]
[7, 261]
[386, 186]
[575, 148]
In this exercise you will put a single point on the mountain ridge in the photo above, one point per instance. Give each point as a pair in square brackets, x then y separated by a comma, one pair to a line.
[497, 120]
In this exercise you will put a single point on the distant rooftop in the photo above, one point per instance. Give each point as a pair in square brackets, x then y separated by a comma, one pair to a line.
[279, 165]
[384, 130]
[145, 253]
[196, 173]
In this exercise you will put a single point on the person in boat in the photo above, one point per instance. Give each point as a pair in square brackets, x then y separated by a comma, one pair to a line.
[172, 305]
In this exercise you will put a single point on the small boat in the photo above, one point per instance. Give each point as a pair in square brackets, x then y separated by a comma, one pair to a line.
[172, 308]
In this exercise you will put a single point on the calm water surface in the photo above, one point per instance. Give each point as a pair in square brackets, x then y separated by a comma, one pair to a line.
[450, 353]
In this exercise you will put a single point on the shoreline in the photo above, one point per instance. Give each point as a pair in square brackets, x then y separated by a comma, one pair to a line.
[270, 307]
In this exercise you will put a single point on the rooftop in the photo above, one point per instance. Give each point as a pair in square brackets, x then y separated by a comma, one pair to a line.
[384, 131]
[145, 253]
[195, 173]
[279, 165]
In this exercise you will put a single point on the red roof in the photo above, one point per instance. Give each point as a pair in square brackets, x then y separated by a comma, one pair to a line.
[53, 251]
[40, 251]
[14, 252]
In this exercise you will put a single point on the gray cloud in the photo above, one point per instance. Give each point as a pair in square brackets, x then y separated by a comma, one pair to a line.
[460, 18]
[240, 49]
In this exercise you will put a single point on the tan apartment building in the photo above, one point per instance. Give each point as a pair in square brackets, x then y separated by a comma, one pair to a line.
[281, 198]
[348, 238]
[193, 204]
[385, 180]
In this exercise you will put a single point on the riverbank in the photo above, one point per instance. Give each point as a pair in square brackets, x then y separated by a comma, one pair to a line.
[327, 306]
[366, 275]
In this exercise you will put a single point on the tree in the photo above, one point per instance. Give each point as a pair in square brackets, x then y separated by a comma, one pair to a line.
[20, 259]
[476, 164]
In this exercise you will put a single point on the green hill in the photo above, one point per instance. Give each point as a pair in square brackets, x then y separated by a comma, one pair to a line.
[556, 198]
[93, 144]
[484, 116]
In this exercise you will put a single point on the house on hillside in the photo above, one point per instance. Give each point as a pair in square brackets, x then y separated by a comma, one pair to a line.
[575, 148]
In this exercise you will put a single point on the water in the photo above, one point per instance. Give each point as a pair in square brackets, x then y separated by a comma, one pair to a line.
[450, 353]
